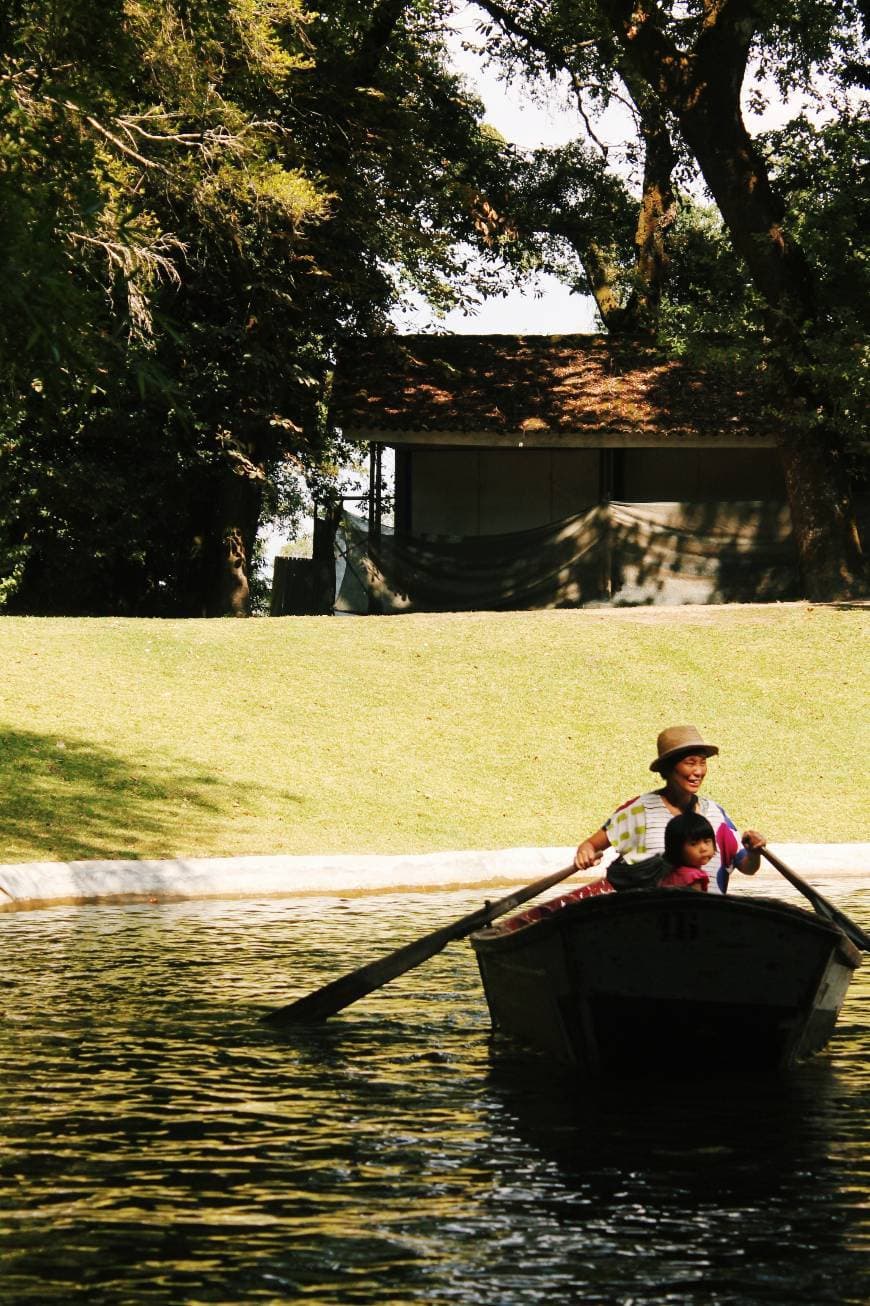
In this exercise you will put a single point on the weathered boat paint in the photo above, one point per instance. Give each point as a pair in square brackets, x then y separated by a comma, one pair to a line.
[668, 978]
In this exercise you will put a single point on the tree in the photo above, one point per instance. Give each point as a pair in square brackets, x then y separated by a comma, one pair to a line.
[697, 70]
[692, 61]
[818, 168]
[198, 202]
[138, 164]
[572, 194]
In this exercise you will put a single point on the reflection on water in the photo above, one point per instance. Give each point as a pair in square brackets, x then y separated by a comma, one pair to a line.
[159, 1144]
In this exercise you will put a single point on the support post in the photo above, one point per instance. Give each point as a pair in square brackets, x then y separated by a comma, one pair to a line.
[375, 452]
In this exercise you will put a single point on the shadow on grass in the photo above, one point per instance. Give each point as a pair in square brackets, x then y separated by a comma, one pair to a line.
[62, 800]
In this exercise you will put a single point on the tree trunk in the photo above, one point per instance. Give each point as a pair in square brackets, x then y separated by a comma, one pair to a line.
[658, 206]
[230, 544]
[701, 87]
[823, 520]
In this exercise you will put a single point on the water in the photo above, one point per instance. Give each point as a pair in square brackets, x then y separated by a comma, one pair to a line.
[158, 1144]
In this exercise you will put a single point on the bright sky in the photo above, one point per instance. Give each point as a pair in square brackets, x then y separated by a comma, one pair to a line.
[546, 307]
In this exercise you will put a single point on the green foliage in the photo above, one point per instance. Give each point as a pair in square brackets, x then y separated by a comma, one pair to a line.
[557, 203]
[197, 201]
[801, 42]
[820, 170]
[139, 165]
[708, 293]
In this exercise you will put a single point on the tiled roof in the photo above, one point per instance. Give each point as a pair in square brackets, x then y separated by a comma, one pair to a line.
[537, 384]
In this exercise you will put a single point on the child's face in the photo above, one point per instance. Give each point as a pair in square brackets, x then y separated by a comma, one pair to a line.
[697, 852]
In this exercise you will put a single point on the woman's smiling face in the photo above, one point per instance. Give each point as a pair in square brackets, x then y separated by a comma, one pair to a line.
[688, 774]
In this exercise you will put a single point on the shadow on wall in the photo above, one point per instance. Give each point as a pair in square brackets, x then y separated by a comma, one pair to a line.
[620, 554]
[701, 553]
[66, 800]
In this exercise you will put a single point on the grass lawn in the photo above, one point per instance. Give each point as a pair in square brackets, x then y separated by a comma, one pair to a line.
[126, 738]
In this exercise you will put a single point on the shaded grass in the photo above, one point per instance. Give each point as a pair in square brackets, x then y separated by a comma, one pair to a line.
[310, 735]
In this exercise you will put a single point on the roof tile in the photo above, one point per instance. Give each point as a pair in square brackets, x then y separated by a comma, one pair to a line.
[562, 383]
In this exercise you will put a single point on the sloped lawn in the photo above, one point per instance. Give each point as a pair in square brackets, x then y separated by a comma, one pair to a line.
[124, 738]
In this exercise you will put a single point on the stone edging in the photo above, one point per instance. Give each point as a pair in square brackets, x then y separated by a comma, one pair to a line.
[43, 884]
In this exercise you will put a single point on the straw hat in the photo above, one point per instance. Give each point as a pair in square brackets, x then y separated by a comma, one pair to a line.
[680, 739]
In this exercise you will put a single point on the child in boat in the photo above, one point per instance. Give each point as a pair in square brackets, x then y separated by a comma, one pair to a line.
[690, 843]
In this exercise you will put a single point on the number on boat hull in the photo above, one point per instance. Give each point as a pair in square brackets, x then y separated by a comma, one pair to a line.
[677, 926]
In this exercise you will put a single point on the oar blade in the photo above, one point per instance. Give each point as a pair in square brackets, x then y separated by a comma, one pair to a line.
[341, 992]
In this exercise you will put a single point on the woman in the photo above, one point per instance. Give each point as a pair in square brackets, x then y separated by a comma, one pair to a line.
[637, 828]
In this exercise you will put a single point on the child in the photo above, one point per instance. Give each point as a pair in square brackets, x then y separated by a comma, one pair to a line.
[690, 843]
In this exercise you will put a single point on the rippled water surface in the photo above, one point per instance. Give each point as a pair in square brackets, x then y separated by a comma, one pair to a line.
[159, 1144]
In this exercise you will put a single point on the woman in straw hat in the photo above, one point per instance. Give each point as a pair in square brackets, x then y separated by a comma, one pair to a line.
[637, 828]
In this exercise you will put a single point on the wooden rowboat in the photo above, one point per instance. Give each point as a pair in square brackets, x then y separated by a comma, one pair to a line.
[667, 979]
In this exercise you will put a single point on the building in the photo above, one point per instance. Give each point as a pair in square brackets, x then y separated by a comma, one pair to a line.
[554, 471]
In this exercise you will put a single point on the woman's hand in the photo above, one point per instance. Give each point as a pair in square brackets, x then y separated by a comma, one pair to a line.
[753, 842]
[587, 855]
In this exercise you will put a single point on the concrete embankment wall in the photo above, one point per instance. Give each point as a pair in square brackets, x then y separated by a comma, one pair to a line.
[30, 885]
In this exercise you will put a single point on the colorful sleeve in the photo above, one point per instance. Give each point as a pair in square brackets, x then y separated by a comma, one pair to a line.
[626, 828]
[726, 841]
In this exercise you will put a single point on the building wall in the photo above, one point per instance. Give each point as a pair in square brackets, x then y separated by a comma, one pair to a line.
[469, 491]
[698, 475]
[494, 491]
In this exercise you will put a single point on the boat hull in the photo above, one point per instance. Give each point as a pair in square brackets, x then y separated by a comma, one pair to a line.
[668, 978]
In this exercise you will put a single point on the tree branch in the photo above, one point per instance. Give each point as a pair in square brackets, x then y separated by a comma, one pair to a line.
[513, 27]
[385, 18]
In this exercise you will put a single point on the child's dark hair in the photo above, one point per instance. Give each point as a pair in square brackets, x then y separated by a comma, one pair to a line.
[683, 829]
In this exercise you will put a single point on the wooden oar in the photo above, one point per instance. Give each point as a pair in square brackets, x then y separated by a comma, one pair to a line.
[340, 993]
[820, 905]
